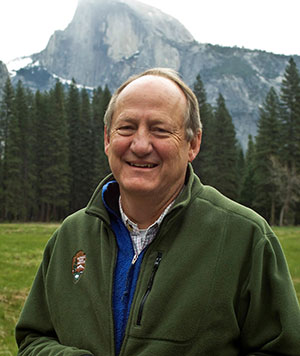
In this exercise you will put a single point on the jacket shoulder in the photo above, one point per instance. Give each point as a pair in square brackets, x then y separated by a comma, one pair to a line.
[233, 211]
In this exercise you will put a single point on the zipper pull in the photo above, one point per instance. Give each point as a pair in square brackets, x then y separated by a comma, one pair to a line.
[155, 268]
[135, 257]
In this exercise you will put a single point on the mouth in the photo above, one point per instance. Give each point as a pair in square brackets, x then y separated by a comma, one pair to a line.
[142, 165]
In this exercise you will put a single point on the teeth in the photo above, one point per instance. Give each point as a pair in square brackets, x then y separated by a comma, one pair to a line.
[142, 165]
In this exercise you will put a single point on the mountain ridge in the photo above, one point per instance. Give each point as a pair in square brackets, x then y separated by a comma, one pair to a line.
[109, 40]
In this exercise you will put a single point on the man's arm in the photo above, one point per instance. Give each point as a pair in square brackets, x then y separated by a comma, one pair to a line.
[270, 309]
[35, 333]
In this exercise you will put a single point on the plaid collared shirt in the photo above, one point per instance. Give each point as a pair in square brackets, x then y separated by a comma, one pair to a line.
[141, 238]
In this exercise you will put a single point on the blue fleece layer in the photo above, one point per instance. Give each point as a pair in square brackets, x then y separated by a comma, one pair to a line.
[126, 273]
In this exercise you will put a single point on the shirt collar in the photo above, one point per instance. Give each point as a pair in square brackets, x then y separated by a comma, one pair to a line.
[134, 227]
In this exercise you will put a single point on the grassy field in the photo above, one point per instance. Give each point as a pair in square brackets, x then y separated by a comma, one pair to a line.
[290, 241]
[21, 247]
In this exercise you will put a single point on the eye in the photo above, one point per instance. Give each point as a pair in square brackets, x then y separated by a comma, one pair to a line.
[126, 130]
[160, 131]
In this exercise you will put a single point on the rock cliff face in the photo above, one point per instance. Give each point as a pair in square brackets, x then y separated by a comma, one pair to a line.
[242, 76]
[109, 40]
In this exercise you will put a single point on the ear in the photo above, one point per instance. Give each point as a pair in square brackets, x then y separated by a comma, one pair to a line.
[195, 146]
[106, 140]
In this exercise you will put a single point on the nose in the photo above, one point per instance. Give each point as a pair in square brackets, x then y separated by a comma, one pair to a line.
[141, 144]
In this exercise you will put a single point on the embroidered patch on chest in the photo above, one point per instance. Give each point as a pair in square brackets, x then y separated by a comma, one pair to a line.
[78, 265]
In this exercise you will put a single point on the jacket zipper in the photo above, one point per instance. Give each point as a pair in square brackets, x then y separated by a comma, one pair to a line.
[149, 287]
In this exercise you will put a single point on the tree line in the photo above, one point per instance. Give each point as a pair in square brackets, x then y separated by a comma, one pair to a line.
[267, 177]
[52, 157]
[51, 150]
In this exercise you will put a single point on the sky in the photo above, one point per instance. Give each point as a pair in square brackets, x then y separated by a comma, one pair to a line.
[270, 25]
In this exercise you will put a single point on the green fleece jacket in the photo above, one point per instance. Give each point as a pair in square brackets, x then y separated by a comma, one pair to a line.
[221, 287]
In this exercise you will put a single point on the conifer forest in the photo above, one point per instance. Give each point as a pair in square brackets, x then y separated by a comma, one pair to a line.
[52, 157]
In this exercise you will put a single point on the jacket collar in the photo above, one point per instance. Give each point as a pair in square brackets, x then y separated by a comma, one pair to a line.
[97, 207]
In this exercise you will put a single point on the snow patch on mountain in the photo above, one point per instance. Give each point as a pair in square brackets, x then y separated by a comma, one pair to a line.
[19, 63]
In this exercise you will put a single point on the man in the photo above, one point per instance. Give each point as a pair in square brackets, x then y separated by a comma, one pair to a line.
[158, 264]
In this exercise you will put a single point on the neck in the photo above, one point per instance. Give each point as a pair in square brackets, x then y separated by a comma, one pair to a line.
[144, 211]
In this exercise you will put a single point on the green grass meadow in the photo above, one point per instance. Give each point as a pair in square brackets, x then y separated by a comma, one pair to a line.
[22, 246]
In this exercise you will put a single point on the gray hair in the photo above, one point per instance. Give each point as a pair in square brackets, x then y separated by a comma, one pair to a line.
[192, 115]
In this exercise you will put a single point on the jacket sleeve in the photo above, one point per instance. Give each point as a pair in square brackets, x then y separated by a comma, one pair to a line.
[35, 334]
[269, 305]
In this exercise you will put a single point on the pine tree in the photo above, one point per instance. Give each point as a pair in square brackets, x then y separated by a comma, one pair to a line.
[31, 168]
[105, 99]
[290, 119]
[41, 148]
[58, 154]
[74, 130]
[202, 164]
[223, 156]
[240, 169]
[106, 96]
[248, 190]
[51, 155]
[13, 187]
[47, 186]
[95, 134]
[20, 151]
[80, 146]
[6, 114]
[290, 99]
[267, 147]
[85, 147]
[21, 110]
[99, 165]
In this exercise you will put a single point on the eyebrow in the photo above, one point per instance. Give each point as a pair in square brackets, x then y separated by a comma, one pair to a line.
[152, 121]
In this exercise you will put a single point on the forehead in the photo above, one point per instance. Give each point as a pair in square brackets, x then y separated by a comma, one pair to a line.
[151, 90]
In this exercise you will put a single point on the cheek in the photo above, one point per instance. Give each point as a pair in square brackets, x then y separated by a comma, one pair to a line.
[117, 146]
[168, 152]
[175, 149]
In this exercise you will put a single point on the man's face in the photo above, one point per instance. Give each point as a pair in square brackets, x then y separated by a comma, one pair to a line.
[146, 147]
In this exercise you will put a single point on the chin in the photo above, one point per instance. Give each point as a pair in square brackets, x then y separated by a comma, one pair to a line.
[140, 189]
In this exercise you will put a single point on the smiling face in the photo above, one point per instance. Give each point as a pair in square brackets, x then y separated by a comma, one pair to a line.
[146, 146]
